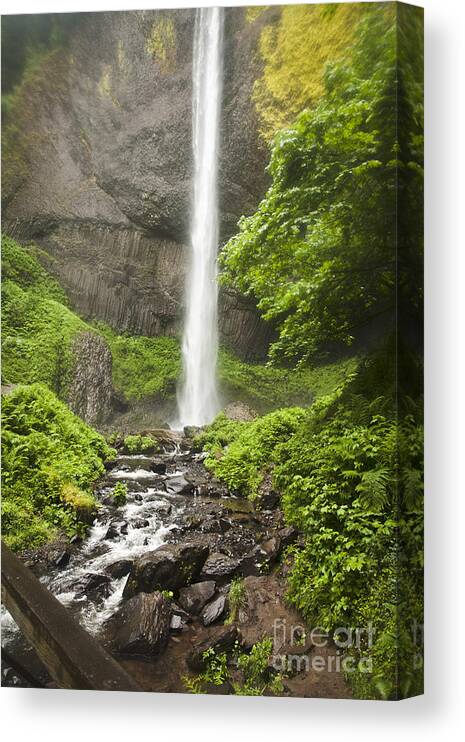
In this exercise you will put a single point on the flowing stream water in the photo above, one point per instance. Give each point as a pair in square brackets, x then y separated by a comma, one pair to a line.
[86, 585]
[198, 400]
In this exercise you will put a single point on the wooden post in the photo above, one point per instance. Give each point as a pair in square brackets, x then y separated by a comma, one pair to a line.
[73, 657]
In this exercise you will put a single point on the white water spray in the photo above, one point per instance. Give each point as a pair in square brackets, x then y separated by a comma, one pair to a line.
[198, 400]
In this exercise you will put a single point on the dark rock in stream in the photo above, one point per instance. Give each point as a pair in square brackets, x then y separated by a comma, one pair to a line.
[159, 467]
[62, 559]
[93, 584]
[116, 529]
[179, 486]
[169, 567]
[140, 523]
[164, 508]
[142, 625]
[120, 568]
[194, 597]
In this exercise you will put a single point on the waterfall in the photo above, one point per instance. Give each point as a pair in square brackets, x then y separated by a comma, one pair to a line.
[198, 400]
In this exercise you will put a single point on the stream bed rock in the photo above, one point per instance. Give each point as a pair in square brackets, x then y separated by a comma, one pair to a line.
[169, 567]
[142, 625]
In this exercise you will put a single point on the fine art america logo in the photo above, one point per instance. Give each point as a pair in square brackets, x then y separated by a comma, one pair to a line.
[344, 650]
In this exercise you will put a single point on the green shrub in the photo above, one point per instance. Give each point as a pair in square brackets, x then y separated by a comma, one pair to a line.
[350, 475]
[266, 387]
[249, 449]
[255, 676]
[50, 459]
[139, 444]
[119, 494]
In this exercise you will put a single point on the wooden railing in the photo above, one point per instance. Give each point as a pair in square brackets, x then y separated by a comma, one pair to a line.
[73, 658]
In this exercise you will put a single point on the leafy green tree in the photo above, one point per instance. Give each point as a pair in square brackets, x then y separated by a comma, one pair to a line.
[319, 255]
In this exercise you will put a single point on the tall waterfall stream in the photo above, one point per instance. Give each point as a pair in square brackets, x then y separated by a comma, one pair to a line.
[198, 398]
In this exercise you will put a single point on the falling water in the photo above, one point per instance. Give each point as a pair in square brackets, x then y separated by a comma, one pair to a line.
[198, 399]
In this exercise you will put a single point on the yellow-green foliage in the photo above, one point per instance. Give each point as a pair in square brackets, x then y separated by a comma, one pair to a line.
[254, 12]
[295, 52]
[161, 44]
[77, 499]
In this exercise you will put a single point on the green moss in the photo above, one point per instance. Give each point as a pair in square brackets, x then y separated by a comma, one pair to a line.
[295, 51]
[161, 44]
[50, 460]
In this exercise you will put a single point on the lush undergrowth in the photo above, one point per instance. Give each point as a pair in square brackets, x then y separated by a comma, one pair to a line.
[143, 366]
[38, 328]
[50, 459]
[266, 387]
[350, 478]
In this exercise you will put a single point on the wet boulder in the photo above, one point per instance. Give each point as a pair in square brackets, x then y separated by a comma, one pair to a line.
[213, 610]
[116, 529]
[142, 625]
[163, 508]
[194, 597]
[119, 569]
[179, 485]
[220, 567]
[140, 523]
[170, 567]
[176, 624]
[93, 584]
[158, 466]
[62, 560]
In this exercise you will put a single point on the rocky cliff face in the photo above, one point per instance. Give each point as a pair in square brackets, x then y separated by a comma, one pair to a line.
[98, 169]
[91, 389]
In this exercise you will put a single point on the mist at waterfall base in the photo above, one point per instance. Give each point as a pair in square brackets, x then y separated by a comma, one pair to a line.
[198, 400]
